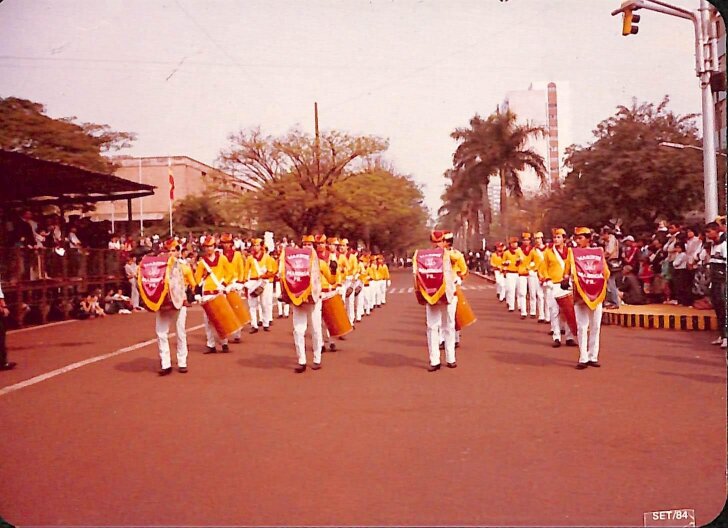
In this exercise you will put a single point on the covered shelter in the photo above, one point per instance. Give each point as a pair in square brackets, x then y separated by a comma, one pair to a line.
[26, 180]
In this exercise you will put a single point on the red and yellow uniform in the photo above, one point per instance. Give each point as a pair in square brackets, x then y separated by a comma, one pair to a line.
[220, 266]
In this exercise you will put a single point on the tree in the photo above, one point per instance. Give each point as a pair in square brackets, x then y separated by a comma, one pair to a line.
[625, 173]
[25, 128]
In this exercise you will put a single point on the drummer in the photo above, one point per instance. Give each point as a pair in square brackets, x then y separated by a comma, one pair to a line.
[386, 280]
[261, 270]
[534, 281]
[496, 263]
[551, 273]
[165, 318]
[213, 274]
[348, 261]
[328, 269]
[588, 309]
[238, 270]
[307, 311]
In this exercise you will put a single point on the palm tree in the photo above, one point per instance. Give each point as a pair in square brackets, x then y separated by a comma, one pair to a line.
[464, 201]
[497, 146]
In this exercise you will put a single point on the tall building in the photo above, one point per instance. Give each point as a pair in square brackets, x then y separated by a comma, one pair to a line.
[190, 177]
[544, 104]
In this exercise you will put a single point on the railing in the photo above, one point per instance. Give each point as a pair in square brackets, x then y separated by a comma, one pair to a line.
[40, 285]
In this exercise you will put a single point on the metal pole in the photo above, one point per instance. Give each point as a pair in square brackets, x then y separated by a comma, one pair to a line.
[113, 215]
[169, 170]
[141, 203]
[710, 169]
[318, 145]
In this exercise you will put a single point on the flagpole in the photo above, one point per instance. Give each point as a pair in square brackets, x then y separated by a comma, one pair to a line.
[171, 191]
[141, 203]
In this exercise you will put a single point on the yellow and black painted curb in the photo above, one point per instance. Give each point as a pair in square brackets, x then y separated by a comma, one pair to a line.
[663, 321]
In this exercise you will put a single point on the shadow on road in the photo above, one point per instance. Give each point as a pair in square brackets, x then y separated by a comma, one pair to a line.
[532, 360]
[267, 361]
[391, 360]
[140, 364]
[706, 378]
[679, 359]
[411, 342]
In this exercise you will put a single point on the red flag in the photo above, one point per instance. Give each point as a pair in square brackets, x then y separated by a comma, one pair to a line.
[171, 184]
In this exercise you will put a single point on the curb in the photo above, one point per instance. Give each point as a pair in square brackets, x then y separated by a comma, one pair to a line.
[668, 322]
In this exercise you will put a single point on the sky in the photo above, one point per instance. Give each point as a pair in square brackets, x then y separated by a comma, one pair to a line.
[183, 74]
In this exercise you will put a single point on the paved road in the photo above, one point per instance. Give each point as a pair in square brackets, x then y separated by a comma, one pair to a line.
[513, 436]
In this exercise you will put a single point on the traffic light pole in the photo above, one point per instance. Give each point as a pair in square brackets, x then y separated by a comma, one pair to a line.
[706, 64]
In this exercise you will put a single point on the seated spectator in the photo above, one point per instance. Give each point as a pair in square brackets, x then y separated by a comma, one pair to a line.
[630, 288]
[90, 307]
[114, 243]
[682, 276]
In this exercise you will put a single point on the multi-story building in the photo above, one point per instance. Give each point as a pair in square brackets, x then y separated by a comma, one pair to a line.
[190, 177]
[544, 104]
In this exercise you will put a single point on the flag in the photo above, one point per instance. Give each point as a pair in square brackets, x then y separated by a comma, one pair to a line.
[171, 183]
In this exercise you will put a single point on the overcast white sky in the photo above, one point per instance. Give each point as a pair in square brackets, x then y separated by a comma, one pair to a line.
[183, 74]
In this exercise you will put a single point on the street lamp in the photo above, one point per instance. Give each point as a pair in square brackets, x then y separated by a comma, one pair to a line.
[706, 67]
[681, 146]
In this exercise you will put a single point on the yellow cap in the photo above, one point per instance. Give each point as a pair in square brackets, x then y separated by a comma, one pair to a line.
[209, 241]
[582, 231]
[526, 236]
[538, 234]
[307, 238]
[558, 231]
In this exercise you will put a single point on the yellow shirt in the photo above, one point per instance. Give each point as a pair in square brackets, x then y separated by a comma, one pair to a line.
[265, 268]
[496, 261]
[510, 258]
[535, 258]
[385, 272]
[239, 268]
[352, 266]
[328, 279]
[552, 266]
[220, 266]
[342, 268]
[457, 259]
[364, 276]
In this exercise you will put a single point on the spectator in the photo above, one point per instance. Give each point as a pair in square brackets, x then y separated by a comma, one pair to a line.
[115, 243]
[717, 277]
[25, 230]
[631, 288]
[111, 307]
[130, 270]
[90, 307]
[73, 241]
[611, 253]
[630, 252]
[681, 276]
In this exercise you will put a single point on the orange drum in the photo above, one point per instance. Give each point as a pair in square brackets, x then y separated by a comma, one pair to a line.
[334, 315]
[566, 307]
[464, 315]
[239, 306]
[221, 316]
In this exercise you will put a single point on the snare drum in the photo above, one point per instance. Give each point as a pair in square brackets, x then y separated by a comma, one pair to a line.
[221, 315]
[239, 306]
[464, 315]
[333, 312]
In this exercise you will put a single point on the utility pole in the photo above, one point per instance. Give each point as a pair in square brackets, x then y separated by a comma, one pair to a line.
[317, 144]
[704, 21]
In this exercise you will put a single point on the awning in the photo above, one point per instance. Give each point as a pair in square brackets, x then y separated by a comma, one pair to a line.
[24, 179]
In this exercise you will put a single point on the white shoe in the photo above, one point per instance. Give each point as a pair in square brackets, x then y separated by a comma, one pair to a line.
[724, 343]
[717, 341]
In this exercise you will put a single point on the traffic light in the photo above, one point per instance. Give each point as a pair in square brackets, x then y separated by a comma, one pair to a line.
[629, 22]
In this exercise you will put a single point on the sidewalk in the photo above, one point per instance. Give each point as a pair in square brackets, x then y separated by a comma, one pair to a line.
[662, 316]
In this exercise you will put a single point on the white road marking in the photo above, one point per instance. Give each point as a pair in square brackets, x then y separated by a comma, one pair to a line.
[410, 289]
[79, 364]
[47, 325]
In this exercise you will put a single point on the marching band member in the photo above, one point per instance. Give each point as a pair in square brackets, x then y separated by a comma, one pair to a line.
[386, 282]
[524, 283]
[347, 262]
[300, 277]
[238, 270]
[261, 270]
[212, 262]
[460, 268]
[376, 282]
[328, 270]
[551, 273]
[588, 270]
[496, 262]
[435, 288]
[364, 306]
[533, 279]
[512, 259]
[284, 309]
[165, 318]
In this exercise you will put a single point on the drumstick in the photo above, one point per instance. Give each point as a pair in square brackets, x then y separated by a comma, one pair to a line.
[214, 278]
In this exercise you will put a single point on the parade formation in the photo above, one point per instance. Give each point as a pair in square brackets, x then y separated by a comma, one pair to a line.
[329, 287]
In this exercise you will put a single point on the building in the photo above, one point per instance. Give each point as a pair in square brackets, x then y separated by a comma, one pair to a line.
[190, 177]
[544, 104]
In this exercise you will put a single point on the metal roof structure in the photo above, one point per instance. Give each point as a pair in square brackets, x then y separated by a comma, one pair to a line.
[24, 179]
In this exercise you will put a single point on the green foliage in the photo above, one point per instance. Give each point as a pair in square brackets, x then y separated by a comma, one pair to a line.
[625, 173]
[25, 128]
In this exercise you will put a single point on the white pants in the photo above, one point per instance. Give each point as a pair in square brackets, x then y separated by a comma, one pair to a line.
[368, 298]
[211, 333]
[385, 287]
[326, 336]
[544, 312]
[439, 319]
[302, 316]
[555, 313]
[500, 285]
[264, 302]
[350, 301]
[241, 291]
[164, 319]
[533, 291]
[589, 322]
[511, 284]
[134, 293]
[521, 290]
[284, 309]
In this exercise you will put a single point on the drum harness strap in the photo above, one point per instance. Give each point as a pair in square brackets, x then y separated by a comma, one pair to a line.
[219, 285]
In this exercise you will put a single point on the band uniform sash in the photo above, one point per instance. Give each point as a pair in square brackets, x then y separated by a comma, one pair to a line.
[300, 278]
[152, 281]
[433, 275]
[588, 274]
